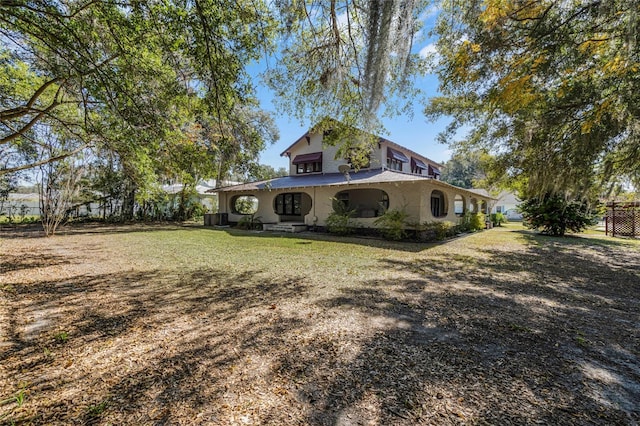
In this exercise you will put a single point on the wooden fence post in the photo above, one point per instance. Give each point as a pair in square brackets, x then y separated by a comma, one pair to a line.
[613, 219]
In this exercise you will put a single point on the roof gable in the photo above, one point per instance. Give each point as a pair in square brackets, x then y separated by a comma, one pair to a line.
[306, 137]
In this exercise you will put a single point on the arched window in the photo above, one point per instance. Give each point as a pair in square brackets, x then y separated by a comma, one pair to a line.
[438, 204]
[292, 204]
[365, 202]
[244, 204]
[473, 205]
[458, 205]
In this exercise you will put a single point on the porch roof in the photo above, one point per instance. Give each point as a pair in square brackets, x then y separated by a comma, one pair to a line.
[339, 179]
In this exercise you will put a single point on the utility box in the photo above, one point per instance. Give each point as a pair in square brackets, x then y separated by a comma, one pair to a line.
[221, 219]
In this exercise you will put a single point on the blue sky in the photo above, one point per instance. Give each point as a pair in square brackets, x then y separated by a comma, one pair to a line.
[415, 133]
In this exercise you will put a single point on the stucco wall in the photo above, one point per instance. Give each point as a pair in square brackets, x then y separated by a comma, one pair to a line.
[412, 197]
[406, 197]
[329, 163]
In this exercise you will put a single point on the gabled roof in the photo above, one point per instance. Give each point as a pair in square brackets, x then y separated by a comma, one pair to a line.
[307, 136]
[412, 153]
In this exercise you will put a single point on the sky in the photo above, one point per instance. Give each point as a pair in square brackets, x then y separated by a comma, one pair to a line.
[415, 133]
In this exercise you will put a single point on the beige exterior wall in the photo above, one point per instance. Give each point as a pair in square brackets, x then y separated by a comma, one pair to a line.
[406, 167]
[412, 197]
[329, 163]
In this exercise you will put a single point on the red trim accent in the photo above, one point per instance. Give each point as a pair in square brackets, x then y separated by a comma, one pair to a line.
[418, 163]
[396, 155]
[307, 158]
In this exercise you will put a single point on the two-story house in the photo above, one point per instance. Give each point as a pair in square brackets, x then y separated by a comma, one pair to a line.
[395, 178]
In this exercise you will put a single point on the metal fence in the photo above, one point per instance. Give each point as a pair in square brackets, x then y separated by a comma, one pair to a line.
[623, 219]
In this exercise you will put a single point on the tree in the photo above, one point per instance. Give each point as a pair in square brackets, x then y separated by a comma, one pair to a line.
[346, 59]
[464, 170]
[555, 215]
[551, 88]
[265, 172]
[8, 184]
[58, 187]
[125, 76]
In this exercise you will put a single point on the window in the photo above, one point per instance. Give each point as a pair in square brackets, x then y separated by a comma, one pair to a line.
[343, 197]
[417, 166]
[438, 204]
[244, 204]
[395, 159]
[309, 167]
[394, 164]
[434, 172]
[288, 204]
[458, 205]
[292, 204]
[499, 209]
[308, 163]
[365, 202]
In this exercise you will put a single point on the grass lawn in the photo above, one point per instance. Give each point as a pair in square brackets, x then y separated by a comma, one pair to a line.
[190, 325]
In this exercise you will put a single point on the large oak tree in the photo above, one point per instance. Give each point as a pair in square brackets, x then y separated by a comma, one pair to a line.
[552, 88]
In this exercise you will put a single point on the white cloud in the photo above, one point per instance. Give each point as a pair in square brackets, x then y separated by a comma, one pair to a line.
[430, 12]
[429, 51]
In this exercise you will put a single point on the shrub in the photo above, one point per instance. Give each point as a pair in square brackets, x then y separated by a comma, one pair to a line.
[498, 219]
[471, 222]
[250, 222]
[554, 214]
[393, 224]
[340, 220]
[436, 230]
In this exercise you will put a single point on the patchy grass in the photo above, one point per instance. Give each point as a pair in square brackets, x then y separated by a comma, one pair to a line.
[189, 325]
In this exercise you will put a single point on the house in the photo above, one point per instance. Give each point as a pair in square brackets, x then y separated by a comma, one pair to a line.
[395, 178]
[507, 203]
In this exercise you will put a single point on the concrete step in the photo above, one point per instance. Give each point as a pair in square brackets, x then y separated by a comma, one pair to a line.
[285, 227]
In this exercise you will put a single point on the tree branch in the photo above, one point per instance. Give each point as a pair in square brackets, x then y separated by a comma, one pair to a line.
[29, 125]
[12, 113]
[5, 171]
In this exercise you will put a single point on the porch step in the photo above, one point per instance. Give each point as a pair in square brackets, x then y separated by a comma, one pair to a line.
[285, 227]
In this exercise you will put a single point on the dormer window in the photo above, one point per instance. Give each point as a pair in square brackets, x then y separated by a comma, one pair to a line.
[308, 163]
[395, 159]
[417, 166]
[434, 172]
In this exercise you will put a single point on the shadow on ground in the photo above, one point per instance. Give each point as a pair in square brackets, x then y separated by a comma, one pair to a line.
[547, 334]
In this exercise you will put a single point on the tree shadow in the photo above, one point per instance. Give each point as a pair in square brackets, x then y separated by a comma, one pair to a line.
[143, 346]
[546, 335]
[12, 263]
[32, 230]
[309, 236]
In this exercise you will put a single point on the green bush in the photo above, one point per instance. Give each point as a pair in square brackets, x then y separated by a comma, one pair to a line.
[393, 224]
[250, 222]
[340, 220]
[471, 222]
[436, 230]
[498, 219]
[554, 214]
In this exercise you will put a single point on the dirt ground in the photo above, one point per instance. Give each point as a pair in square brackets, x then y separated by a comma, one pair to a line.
[105, 325]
